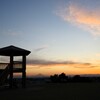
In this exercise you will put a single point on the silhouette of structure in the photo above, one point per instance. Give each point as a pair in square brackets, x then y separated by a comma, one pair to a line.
[11, 52]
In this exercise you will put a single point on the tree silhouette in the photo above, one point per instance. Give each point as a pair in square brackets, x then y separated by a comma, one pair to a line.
[63, 77]
[54, 78]
[59, 78]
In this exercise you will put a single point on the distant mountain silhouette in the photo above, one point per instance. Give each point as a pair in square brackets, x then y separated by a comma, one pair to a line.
[39, 76]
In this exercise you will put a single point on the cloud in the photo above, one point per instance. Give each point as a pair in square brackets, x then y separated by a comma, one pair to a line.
[81, 16]
[44, 63]
[47, 62]
[40, 48]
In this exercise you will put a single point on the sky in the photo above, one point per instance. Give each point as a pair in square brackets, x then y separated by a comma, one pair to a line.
[62, 35]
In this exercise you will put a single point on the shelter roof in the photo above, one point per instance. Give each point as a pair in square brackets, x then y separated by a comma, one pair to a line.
[14, 51]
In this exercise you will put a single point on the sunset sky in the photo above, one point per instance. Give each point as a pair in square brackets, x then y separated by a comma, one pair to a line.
[62, 35]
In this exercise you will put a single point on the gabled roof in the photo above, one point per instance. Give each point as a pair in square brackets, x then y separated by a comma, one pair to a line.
[14, 51]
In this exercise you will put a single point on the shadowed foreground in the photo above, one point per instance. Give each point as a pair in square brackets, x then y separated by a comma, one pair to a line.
[54, 91]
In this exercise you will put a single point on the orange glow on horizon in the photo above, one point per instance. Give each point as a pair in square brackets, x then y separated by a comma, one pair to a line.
[69, 69]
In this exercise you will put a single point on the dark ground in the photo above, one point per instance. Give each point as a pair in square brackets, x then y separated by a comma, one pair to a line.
[53, 91]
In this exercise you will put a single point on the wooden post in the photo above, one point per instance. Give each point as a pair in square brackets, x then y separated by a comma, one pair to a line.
[11, 72]
[24, 72]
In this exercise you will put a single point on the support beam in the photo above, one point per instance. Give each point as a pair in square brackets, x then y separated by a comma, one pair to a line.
[24, 72]
[11, 72]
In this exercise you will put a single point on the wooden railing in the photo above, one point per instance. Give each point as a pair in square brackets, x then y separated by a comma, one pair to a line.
[16, 64]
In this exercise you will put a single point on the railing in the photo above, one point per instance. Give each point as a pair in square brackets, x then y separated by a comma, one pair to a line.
[16, 64]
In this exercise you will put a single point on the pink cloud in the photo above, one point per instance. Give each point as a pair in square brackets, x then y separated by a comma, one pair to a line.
[81, 17]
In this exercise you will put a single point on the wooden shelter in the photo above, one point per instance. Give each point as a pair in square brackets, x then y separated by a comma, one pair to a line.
[12, 52]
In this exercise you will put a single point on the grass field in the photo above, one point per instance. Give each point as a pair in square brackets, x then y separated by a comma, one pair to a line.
[54, 91]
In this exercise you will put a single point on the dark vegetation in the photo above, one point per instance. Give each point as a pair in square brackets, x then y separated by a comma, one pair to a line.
[57, 78]
[62, 78]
